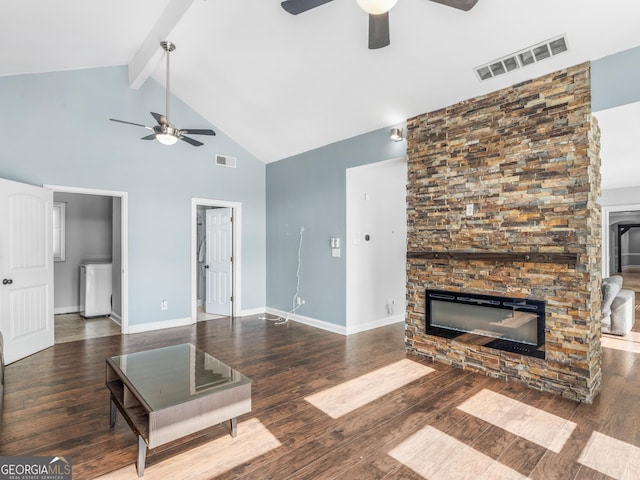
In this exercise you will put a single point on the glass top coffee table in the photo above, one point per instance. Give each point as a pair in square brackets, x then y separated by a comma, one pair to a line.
[168, 393]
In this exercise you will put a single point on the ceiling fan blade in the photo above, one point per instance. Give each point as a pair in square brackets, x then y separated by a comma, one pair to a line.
[379, 30]
[193, 142]
[465, 5]
[294, 7]
[130, 123]
[161, 119]
[195, 131]
[149, 137]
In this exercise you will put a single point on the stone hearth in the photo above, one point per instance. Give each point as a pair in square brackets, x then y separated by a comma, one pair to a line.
[527, 159]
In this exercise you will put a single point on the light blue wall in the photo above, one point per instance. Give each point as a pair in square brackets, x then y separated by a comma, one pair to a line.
[615, 80]
[309, 190]
[55, 130]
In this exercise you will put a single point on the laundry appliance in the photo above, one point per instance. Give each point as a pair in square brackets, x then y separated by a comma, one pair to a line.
[95, 289]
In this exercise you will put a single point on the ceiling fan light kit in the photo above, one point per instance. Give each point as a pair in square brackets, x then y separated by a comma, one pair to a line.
[376, 7]
[166, 138]
[378, 11]
[165, 132]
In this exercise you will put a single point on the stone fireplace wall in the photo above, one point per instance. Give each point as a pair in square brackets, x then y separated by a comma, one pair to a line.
[527, 158]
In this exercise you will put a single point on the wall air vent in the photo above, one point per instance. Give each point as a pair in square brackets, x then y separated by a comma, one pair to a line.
[527, 56]
[226, 161]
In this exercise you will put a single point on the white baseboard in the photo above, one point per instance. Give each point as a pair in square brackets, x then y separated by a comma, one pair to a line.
[252, 311]
[381, 322]
[314, 322]
[116, 318]
[63, 310]
[332, 327]
[626, 267]
[148, 327]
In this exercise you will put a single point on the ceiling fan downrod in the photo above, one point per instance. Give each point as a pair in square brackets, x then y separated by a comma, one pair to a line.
[167, 47]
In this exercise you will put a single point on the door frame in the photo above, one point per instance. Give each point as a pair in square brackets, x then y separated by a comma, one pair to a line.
[605, 211]
[236, 242]
[124, 240]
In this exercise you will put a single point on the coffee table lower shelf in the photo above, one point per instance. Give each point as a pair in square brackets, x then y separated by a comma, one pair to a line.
[160, 426]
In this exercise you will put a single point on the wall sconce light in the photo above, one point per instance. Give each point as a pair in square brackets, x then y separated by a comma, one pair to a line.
[396, 134]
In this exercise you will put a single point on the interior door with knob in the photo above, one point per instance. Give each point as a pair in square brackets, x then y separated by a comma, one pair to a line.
[218, 258]
[26, 269]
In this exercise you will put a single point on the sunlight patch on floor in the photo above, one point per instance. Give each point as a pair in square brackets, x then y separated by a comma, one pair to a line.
[530, 423]
[438, 456]
[353, 394]
[71, 327]
[206, 461]
[629, 343]
[202, 315]
[610, 456]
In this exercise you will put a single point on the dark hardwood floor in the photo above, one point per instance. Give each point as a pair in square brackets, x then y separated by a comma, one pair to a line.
[56, 404]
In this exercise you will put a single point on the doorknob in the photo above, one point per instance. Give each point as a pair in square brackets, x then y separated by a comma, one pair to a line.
[7, 281]
[206, 266]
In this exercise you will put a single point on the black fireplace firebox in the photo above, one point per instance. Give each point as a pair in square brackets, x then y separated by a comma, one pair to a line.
[510, 324]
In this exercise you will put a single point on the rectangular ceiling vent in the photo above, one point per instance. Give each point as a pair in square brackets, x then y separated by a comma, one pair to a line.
[226, 161]
[527, 56]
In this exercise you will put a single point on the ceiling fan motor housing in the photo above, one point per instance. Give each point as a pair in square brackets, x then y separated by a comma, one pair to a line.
[168, 46]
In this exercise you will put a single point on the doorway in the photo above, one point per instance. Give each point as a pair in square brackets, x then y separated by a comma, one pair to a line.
[613, 260]
[215, 258]
[376, 246]
[621, 256]
[70, 325]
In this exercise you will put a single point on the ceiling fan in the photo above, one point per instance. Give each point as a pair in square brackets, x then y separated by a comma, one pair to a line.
[165, 132]
[378, 11]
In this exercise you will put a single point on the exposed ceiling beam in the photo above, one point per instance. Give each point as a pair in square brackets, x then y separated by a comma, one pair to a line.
[150, 53]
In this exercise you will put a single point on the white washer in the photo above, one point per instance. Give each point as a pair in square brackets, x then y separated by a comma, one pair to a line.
[95, 289]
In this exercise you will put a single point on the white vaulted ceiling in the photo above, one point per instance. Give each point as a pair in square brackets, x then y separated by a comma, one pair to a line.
[280, 84]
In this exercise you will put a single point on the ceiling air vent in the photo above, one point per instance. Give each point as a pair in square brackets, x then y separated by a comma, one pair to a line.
[226, 161]
[527, 56]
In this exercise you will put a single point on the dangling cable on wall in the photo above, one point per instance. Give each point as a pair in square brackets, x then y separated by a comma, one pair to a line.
[294, 306]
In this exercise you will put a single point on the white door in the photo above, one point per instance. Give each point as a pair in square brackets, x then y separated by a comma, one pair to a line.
[26, 269]
[218, 261]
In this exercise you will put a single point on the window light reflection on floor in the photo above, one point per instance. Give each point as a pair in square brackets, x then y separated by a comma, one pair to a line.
[438, 456]
[629, 343]
[540, 427]
[610, 456]
[353, 394]
[209, 460]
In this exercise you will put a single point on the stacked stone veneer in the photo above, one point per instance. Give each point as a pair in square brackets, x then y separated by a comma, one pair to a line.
[527, 158]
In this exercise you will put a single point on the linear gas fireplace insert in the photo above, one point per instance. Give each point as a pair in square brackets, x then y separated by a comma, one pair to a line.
[510, 324]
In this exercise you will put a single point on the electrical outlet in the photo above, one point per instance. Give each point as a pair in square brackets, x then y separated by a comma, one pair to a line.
[299, 301]
[164, 305]
[470, 209]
